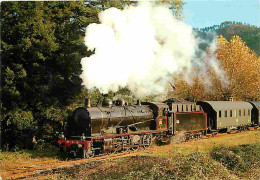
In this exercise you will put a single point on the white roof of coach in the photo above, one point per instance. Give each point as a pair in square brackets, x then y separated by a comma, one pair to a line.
[220, 105]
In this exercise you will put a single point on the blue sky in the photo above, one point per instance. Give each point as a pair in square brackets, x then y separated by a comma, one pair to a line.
[205, 13]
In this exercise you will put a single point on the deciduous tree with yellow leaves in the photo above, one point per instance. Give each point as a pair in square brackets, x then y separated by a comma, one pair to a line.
[242, 68]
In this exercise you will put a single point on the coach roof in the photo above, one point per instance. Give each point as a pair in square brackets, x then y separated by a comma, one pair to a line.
[256, 104]
[219, 105]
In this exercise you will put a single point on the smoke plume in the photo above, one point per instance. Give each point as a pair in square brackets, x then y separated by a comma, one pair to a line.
[140, 47]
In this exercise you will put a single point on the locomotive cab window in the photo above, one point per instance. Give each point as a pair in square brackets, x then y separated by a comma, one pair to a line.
[230, 113]
[219, 114]
[226, 113]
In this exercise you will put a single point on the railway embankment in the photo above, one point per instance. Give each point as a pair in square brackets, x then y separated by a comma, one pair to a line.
[227, 156]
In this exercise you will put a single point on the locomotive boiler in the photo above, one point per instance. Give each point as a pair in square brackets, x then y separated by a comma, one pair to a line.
[111, 119]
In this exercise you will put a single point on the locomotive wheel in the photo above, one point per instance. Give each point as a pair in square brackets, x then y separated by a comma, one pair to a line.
[135, 142]
[135, 148]
[113, 151]
[62, 149]
[86, 154]
[116, 146]
[147, 141]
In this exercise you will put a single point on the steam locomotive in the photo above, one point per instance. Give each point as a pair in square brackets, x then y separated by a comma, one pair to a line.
[117, 126]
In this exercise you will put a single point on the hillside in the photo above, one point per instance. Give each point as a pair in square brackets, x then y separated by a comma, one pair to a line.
[248, 33]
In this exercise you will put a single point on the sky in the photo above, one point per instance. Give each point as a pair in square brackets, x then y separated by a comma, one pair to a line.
[205, 13]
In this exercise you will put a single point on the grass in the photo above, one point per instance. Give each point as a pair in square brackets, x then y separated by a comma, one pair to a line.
[229, 140]
[231, 157]
[241, 160]
[205, 145]
[237, 162]
[9, 159]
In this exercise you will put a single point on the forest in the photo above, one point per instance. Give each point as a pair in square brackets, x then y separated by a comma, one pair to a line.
[250, 34]
[42, 44]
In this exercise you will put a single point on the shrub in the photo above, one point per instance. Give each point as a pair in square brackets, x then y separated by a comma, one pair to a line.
[226, 157]
[242, 160]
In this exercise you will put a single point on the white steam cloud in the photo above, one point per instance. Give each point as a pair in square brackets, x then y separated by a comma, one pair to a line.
[141, 48]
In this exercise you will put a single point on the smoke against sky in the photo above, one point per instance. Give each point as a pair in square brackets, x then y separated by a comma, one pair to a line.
[141, 48]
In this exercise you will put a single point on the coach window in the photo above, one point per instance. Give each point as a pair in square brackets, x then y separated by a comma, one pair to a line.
[191, 108]
[226, 113]
[244, 112]
[248, 112]
[239, 112]
[187, 108]
[219, 114]
[182, 108]
[230, 113]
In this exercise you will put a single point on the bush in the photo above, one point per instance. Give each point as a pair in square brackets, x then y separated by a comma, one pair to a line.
[226, 157]
[192, 166]
[243, 159]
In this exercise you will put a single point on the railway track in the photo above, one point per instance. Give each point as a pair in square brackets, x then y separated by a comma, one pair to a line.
[39, 168]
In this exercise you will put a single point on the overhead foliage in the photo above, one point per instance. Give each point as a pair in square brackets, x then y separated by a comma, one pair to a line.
[42, 45]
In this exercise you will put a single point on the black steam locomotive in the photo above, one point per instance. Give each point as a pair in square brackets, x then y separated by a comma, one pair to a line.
[117, 127]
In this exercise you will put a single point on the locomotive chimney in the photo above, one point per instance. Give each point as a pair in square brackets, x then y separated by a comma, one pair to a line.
[138, 102]
[87, 103]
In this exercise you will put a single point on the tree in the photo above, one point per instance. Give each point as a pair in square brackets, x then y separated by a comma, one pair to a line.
[242, 68]
[176, 6]
[42, 45]
[248, 33]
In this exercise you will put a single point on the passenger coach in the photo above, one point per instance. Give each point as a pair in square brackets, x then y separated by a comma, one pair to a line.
[227, 115]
